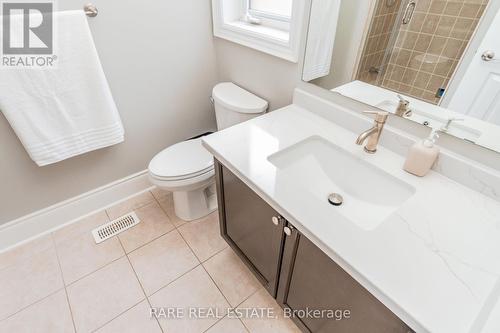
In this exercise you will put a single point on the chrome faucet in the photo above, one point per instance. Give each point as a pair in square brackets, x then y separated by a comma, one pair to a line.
[373, 134]
[403, 109]
[446, 127]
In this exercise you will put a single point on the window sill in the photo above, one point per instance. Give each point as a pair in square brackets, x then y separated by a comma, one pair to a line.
[261, 31]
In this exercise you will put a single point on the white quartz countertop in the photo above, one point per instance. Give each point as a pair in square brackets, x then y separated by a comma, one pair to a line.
[435, 262]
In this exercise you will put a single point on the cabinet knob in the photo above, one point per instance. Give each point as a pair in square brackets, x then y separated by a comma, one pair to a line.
[287, 231]
[276, 220]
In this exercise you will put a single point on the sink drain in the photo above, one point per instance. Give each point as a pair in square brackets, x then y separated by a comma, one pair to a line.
[335, 199]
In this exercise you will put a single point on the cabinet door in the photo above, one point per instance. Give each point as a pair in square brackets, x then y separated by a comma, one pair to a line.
[252, 228]
[311, 280]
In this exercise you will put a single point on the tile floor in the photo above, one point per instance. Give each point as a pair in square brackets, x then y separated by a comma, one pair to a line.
[64, 282]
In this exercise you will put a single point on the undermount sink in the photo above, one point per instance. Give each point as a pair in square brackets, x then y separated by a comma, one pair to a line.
[318, 168]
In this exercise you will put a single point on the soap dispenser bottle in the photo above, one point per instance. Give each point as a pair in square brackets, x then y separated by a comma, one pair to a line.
[422, 155]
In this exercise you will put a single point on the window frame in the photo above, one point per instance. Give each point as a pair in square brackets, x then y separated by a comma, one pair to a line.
[269, 36]
[265, 15]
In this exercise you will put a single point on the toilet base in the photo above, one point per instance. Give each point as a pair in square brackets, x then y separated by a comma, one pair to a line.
[195, 204]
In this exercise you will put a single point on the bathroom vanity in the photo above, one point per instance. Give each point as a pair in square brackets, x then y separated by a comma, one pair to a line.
[294, 270]
[394, 254]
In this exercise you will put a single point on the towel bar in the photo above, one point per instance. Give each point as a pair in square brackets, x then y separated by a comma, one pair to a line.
[90, 10]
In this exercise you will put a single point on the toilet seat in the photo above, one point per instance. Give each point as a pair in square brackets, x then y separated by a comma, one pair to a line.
[182, 161]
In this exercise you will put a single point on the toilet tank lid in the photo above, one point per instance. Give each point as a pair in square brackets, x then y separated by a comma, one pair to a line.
[237, 99]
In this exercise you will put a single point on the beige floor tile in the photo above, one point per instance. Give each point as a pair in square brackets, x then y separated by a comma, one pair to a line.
[228, 325]
[193, 290]
[77, 228]
[159, 193]
[28, 281]
[129, 205]
[25, 251]
[98, 298]
[167, 203]
[135, 320]
[154, 223]
[162, 261]
[50, 315]
[203, 236]
[80, 255]
[232, 277]
[280, 324]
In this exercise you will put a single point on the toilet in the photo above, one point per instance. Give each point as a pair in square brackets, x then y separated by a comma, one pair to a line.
[187, 169]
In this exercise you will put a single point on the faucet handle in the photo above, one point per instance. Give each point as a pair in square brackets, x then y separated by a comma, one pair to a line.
[403, 100]
[380, 116]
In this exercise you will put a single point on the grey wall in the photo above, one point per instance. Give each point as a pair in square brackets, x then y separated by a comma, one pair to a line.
[161, 81]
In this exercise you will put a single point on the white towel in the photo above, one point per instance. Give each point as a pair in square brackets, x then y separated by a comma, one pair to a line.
[66, 110]
[321, 38]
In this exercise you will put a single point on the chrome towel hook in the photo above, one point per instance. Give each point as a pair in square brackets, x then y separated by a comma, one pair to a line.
[90, 10]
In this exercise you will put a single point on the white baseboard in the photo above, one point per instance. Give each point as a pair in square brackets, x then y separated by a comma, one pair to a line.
[44, 221]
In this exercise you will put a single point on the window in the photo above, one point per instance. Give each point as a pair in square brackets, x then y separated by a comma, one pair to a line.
[272, 9]
[271, 26]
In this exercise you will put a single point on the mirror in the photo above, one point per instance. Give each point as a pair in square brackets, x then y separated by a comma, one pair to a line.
[434, 62]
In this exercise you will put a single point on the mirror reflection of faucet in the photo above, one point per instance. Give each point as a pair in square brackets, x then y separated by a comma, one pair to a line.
[446, 127]
[403, 109]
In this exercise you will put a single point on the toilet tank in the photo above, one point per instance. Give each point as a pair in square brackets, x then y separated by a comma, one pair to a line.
[234, 105]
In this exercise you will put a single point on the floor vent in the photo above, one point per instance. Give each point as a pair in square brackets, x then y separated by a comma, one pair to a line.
[114, 227]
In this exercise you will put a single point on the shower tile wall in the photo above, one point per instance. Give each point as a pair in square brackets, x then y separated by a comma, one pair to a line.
[381, 26]
[428, 49]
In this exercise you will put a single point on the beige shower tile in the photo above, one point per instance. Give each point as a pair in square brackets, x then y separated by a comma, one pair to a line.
[403, 58]
[416, 92]
[137, 319]
[80, 255]
[162, 261]
[442, 69]
[25, 251]
[77, 228]
[463, 27]
[193, 290]
[445, 26]
[470, 10]
[228, 325]
[452, 48]
[280, 324]
[435, 83]
[50, 315]
[409, 40]
[437, 6]
[453, 8]
[430, 23]
[27, 281]
[232, 277]
[203, 236]
[417, 22]
[437, 45]
[422, 80]
[423, 42]
[423, 5]
[98, 298]
[154, 223]
[409, 76]
[129, 205]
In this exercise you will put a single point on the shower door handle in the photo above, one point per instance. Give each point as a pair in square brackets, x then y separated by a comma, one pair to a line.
[410, 8]
[488, 55]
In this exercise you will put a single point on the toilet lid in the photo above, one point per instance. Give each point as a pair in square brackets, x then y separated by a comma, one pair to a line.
[183, 160]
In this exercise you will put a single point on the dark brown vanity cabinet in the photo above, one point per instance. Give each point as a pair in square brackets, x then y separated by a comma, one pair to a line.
[321, 297]
[251, 227]
[302, 278]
